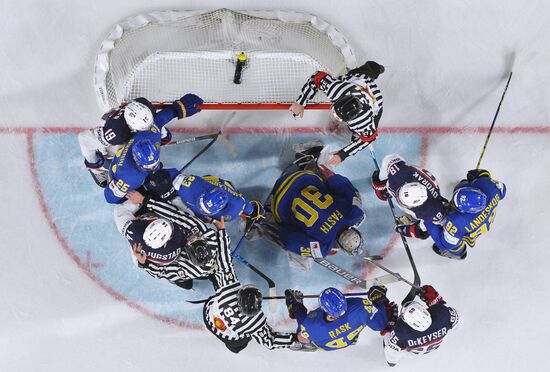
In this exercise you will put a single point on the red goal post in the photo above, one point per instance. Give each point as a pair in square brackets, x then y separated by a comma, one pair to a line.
[164, 55]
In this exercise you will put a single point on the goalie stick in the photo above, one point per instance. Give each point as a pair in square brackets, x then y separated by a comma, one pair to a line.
[316, 295]
[412, 293]
[362, 283]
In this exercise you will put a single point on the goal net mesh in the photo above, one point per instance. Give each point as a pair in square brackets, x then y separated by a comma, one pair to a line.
[163, 55]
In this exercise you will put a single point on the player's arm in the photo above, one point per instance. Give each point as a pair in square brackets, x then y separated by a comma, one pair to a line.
[182, 108]
[271, 339]
[392, 351]
[342, 186]
[446, 236]
[115, 192]
[91, 141]
[124, 214]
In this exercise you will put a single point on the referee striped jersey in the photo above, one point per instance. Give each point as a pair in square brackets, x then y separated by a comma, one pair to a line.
[221, 312]
[365, 126]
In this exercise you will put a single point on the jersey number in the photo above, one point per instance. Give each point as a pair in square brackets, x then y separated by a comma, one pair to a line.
[303, 207]
[341, 342]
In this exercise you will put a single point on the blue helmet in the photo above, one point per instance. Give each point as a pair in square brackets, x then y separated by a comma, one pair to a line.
[333, 302]
[146, 155]
[213, 201]
[469, 200]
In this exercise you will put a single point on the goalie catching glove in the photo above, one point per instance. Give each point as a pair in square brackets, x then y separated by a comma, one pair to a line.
[406, 227]
[187, 105]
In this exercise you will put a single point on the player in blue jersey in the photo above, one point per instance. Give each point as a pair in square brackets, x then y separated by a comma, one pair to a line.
[207, 197]
[420, 329]
[415, 191]
[314, 212]
[471, 214]
[336, 324]
[99, 143]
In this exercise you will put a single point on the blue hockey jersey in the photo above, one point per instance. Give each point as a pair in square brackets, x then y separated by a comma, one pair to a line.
[404, 338]
[345, 330]
[191, 187]
[312, 212]
[458, 231]
[124, 174]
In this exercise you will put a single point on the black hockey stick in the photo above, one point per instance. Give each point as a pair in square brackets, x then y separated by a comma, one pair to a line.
[316, 296]
[494, 120]
[192, 139]
[208, 145]
[412, 293]
[361, 283]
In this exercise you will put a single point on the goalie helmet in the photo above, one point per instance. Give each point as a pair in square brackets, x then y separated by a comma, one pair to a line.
[351, 241]
[138, 116]
[146, 155]
[213, 201]
[333, 302]
[249, 300]
[412, 194]
[469, 200]
[416, 316]
[348, 107]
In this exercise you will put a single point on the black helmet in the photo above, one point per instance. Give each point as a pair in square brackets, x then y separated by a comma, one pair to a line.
[199, 253]
[348, 107]
[249, 299]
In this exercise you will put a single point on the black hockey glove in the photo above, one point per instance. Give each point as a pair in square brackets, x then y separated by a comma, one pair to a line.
[410, 229]
[187, 105]
[377, 294]
[380, 187]
[294, 302]
[257, 213]
[370, 68]
[474, 174]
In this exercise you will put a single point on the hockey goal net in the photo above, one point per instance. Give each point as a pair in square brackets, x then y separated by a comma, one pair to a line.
[165, 54]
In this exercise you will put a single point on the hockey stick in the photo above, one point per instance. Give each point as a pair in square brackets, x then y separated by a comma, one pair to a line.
[270, 283]
[192, 139]
[362, 283]
[316, 295]
[412, 293]
[392, 273]
[494, 120]
[208, 145]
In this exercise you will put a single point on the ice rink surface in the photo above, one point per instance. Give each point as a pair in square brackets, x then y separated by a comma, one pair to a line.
[70, 297]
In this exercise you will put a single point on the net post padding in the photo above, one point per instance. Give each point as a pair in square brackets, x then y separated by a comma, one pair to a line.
[165, 54]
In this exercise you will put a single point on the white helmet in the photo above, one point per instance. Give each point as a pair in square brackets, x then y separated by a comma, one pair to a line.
[158, 233]
[351, 241]
[138, 116]
[413, 194]
[416, 316]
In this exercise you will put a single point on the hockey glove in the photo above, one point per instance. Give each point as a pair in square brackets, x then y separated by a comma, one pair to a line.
[392, 312]
[294, 302]
[380, 187]
[98, 171]
[257, 213]
[187, 105]
[318, 77]
[377, 294]
[410, 229]
[474, 174]
[430, 296]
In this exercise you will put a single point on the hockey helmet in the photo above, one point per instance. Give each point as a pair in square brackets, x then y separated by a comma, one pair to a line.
[213, 201]
[333, 302]
[416, 316]
[412, 194]
[162, 241]
[469, 200]
[348, 107]
[249, 300]
[138, 116]
[351, 241]
[198, 251]
[146, 155]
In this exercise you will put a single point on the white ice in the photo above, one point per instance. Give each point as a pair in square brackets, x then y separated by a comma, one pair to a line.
[446, 68]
